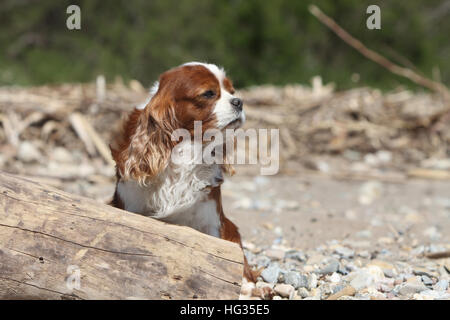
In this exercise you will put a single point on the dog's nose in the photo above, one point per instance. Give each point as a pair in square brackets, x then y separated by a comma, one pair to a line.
[237, 103]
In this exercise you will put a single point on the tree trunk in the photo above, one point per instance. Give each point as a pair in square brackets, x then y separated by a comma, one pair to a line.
[55, 245]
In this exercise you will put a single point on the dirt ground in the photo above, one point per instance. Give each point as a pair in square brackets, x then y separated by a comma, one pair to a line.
[307, 210]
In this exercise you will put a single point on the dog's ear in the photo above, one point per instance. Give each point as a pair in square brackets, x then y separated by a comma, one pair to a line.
[148, 146]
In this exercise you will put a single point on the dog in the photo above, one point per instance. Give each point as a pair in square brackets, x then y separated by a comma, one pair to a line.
[187, 193]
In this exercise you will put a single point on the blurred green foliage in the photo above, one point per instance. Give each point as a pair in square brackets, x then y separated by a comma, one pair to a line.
[274, 41]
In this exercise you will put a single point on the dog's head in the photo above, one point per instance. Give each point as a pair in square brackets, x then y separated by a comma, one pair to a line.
[185, 94]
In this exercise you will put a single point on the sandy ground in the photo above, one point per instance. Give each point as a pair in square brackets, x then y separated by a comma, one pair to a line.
[308, 210]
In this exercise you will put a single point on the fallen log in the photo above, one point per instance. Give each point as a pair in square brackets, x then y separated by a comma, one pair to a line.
[55, 245]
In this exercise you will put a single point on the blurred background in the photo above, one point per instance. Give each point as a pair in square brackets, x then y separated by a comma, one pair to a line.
[276, 41]
[362, 197]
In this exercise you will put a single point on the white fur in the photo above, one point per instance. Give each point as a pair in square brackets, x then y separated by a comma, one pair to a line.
[179, 195]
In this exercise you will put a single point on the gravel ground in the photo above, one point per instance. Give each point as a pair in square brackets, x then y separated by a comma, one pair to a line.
[318, 238]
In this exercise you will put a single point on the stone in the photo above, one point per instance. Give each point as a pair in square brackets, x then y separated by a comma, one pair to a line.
[427, 280]
[441, 285]
[347, 291]
[27, 152]
[303, 292]
[369, 192]
[331, 267]
[61, 154]
[271, 273]
[275, 254]
[335, 278]
[410, 288]
[284, 290]
[312, 281]
[344, 252]
[366, 276]
[295, 279]
[295, 255]
[262, 261]
[361, 280]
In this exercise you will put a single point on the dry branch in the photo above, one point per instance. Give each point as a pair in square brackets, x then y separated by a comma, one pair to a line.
[45, 234]
[376, 57]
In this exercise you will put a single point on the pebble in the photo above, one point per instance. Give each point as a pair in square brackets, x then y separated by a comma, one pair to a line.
[411, 288]
[295, 279]
[331, 267]
[303, 292]
[369, 192]
[275, 254]
[441, 285]
[427, 281]
[312, 281]
[296, 255]
[285, 290]
[347, 291]
[27, 152]
[271, 273]
[335, 278]
[345, 252]
[344, 271]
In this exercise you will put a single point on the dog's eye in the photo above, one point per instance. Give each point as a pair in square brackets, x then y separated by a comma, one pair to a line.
[208, 94]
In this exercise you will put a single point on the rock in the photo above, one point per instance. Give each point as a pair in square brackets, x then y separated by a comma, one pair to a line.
[27, 152]
[427, 281]
[303, 292]
[315, 259]
[431, 295]
[61, 154]
[335, 278]
[312, 281]
[364, 254]
[275, 254]
[361, 280]
[364, 234]
[347, 291]
[432, 233]
[271, 273]
[441, 285]
[410, 288]
[387, 268]
[366, 276]
[279, 232]
[295, 255]
[369, 192]
[262, 261]
[331, 267]
[295, 279]
[344, 252]
[285, 290]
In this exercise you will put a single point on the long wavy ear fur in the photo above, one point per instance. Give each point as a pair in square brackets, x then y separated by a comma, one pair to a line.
[145, 146]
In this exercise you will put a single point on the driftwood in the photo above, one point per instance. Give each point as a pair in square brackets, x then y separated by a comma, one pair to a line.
[55, 245]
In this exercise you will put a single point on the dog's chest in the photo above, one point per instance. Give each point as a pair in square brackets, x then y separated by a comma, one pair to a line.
[180, 196]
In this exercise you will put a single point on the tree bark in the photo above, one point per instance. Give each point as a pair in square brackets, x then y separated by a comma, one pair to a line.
[55, 245]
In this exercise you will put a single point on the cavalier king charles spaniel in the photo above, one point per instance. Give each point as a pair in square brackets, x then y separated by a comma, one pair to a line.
[188, 193]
